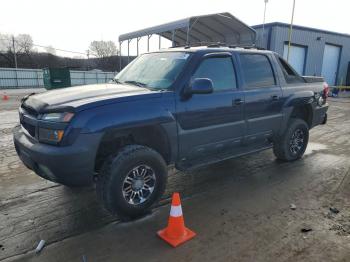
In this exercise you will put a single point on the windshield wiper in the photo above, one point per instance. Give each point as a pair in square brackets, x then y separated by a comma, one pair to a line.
[116, 81]
[135, 83]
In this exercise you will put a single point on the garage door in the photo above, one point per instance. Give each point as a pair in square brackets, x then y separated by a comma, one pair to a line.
[297, 56]
[330, 63]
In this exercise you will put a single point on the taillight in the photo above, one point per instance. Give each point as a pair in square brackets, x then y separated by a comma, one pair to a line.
[325, 90]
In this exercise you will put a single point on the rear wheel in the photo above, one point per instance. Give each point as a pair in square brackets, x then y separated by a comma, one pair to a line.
[132, 181]
[292, 144]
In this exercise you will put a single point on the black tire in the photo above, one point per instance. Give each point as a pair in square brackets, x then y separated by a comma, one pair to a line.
[285, 148]
[111, 181]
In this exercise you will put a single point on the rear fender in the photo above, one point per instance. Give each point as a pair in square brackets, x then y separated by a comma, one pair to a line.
[299, 99]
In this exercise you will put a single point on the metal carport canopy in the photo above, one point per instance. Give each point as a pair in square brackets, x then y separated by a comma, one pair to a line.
[204, 29]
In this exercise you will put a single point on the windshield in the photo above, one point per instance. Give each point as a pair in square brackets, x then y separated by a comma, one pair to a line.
[154, 70]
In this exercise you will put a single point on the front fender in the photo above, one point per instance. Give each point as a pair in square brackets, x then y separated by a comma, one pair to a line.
[120, 118]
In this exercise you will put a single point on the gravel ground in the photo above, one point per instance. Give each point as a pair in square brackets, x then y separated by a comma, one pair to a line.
[240, 209]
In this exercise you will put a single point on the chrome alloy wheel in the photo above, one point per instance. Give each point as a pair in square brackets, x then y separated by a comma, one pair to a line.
[296, 142]
[139, 184]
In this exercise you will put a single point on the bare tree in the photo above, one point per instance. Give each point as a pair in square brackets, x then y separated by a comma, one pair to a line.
[24, 43]
[102, 49]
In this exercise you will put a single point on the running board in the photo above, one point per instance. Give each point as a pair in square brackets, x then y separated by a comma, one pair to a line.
[191, 165]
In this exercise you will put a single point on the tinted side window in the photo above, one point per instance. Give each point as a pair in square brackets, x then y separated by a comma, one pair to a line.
[257, 71]
[220, 70]
[287, 68]
[289, 74]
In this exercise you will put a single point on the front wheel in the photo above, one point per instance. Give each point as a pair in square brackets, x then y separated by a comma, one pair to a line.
[132, 181]
[292, 144]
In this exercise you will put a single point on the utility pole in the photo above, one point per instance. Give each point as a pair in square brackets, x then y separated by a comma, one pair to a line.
[263, 29]
[290, 31]
[14, 50]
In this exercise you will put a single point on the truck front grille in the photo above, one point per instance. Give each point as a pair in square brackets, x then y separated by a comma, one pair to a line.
[30, 128]
[30, 111]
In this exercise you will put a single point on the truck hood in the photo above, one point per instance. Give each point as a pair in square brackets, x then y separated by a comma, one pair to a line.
[72, 98]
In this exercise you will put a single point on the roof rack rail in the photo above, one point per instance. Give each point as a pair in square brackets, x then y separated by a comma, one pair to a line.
[214, 44]
[218, 44]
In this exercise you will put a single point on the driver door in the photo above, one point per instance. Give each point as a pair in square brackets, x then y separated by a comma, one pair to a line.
[211, 123]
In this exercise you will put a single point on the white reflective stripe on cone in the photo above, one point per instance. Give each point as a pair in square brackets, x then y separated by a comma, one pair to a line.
[176, 211]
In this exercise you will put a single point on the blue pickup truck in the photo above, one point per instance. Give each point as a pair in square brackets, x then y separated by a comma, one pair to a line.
[187, 107]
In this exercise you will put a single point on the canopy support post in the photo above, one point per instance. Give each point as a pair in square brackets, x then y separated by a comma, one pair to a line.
[137, 45]
[148, 37]
[129, 40]
[188, 35]
[173, 39]
[120, 55]
[160, 37]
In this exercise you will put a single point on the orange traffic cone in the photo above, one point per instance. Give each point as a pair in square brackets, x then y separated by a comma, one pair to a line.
[176, 233]
[5, 97]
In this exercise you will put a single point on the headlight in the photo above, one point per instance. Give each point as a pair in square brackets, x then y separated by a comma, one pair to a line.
[58, 117]
[54, 135]
[50, 135]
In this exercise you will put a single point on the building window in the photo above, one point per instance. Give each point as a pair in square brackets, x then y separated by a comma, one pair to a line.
[297, 57]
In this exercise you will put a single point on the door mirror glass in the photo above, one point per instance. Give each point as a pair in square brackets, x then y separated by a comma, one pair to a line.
[200, 86]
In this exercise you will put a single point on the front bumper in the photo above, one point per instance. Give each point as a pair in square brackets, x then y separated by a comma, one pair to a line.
[70, 165]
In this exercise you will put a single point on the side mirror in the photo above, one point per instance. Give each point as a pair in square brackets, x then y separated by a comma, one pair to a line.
[200, 86]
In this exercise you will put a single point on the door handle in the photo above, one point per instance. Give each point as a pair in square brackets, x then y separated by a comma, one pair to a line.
[275, 97]
[237, 102]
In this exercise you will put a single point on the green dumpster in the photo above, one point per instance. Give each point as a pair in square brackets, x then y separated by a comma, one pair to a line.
[56, 78]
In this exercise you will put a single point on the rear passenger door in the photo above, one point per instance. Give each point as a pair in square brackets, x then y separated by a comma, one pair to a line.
[263, 103]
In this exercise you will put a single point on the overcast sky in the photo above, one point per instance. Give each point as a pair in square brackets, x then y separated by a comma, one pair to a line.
[73, 24]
